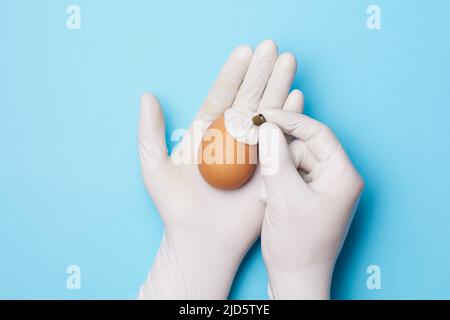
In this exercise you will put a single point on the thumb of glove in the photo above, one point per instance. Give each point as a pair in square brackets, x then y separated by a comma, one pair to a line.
[277, 168]
[151, 136]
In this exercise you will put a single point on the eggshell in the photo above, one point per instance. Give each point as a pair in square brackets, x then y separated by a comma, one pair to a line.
[224, 162]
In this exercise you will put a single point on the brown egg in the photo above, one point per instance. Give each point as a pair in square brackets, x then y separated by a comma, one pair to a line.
[224, 162]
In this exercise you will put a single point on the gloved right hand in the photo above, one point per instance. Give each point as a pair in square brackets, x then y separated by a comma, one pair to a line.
[307, 215]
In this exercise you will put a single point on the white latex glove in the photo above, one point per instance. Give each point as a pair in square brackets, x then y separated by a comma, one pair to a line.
[208, 231]
[307, 216]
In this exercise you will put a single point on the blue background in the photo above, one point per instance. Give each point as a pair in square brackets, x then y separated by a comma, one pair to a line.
[70, 186]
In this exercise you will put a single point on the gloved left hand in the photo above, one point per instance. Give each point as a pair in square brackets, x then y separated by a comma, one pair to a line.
[208, 231]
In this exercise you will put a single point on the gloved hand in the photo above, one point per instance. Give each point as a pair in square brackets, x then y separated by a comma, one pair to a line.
[208, 231]
[308, 214]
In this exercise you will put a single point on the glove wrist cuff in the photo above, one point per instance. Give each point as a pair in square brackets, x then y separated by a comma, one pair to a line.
[312, 283]
[189, 270]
